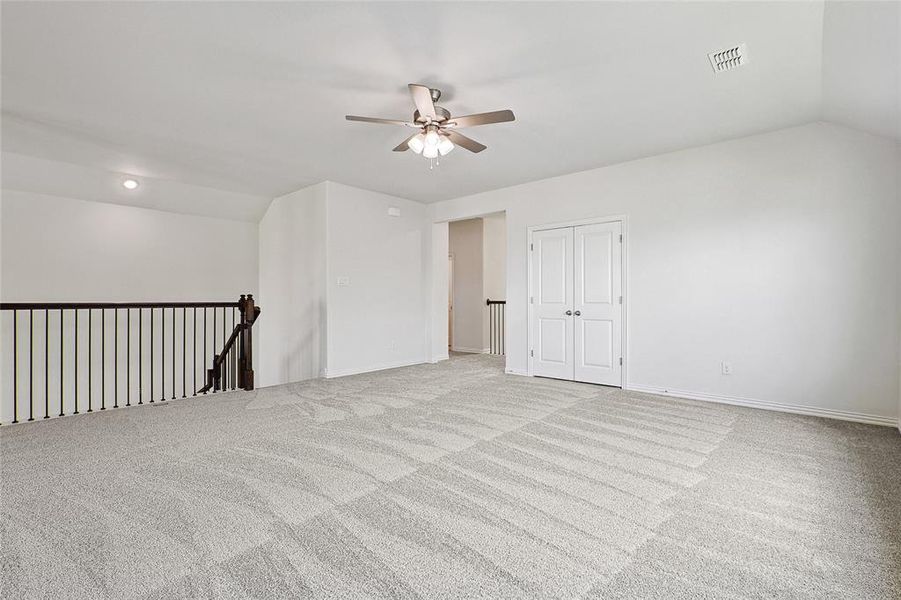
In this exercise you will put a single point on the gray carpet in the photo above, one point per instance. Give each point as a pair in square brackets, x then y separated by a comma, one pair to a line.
[449, 481]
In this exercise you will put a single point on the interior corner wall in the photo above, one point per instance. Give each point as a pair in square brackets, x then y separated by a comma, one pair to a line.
[776, 252]
[292, 327]
[862, 65]
[465, 244]
[377, 281]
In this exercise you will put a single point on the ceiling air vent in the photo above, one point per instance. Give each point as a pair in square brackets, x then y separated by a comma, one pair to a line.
[728, 59]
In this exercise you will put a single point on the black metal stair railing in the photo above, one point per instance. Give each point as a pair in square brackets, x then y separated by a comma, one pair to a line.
[497, 326]
[67, 358]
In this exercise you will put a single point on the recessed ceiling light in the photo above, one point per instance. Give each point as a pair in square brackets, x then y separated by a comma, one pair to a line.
[130, 184]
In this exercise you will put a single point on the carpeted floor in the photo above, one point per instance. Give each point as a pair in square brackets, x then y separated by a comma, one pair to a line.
[449, 481]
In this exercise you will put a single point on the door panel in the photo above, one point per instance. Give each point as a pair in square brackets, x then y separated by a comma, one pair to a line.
[597, 303]
[552, 278]
[596, 338]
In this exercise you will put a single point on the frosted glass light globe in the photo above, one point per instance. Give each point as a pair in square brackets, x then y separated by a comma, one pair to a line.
[417, 143]
[432, 139]
[445, 146]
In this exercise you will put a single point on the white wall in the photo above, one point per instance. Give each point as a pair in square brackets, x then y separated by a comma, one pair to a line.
[62, 249]
[777, 252]
[379, 319]
[494, 239]
[465, 243]
[292, 333]
[437, 272]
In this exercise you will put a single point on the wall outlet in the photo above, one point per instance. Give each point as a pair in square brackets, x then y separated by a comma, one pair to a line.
[727, 368]
[393, 211]
[343, 281]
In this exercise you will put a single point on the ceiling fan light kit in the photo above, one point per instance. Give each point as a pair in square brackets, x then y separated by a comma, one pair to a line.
[437, 133]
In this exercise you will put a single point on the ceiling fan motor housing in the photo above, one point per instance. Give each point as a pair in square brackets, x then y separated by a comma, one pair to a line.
[442, 115]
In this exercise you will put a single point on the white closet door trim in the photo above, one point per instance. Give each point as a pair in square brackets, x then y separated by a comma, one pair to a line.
[624, 220]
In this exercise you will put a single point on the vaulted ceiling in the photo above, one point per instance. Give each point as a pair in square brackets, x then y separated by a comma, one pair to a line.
[250, 97]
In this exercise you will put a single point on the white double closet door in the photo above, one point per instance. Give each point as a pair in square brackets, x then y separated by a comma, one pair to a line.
[576, 299]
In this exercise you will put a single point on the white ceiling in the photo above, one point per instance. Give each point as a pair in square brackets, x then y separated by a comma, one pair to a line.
[251, 97]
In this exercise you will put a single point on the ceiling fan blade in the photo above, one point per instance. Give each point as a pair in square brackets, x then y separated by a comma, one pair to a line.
[375, 120]
[464, 142]
[422, 98]
[498, 116]
[403, 146]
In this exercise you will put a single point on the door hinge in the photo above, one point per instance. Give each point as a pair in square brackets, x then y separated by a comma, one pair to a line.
[531, 246]
[531, 299]
[620, 361]
[620, 299]
[531, 353]
[620, 238]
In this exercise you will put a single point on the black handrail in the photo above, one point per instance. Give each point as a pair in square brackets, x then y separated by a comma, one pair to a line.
[77, 372]
[497, 326]
[111, 305]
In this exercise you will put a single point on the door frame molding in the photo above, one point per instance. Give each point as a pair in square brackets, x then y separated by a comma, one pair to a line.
[452, 314]
[624, 222]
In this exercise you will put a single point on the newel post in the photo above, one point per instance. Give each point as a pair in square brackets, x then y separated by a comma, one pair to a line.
[249, 313]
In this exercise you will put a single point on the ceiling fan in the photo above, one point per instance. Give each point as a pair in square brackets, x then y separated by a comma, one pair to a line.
[436, 130]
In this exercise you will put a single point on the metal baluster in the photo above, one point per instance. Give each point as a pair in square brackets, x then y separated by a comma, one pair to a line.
[184, 351]
[90, 362]
[214, 349]
[140, 356]
[491, 331]
[151, 356]
[46, 363]
[30, 365]
[163, 354]
[223, 373]
[116, 360]
[75, 370]
[102, 359]
[204, 348]
[233, 355]
[15, 366]
[194, 352]
[61, 362]
[498, 327]
[173, 352]
[128, 356]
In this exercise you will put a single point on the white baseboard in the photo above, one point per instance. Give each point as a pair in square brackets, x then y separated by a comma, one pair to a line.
[330, 374]
[471, 350]
[797, 409]
[515, 372]
[438, 359]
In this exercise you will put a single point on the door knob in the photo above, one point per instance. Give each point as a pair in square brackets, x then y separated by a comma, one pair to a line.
[569, 313]
[578, 313]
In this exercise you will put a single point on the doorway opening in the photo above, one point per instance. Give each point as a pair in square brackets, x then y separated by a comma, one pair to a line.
[477, 283]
